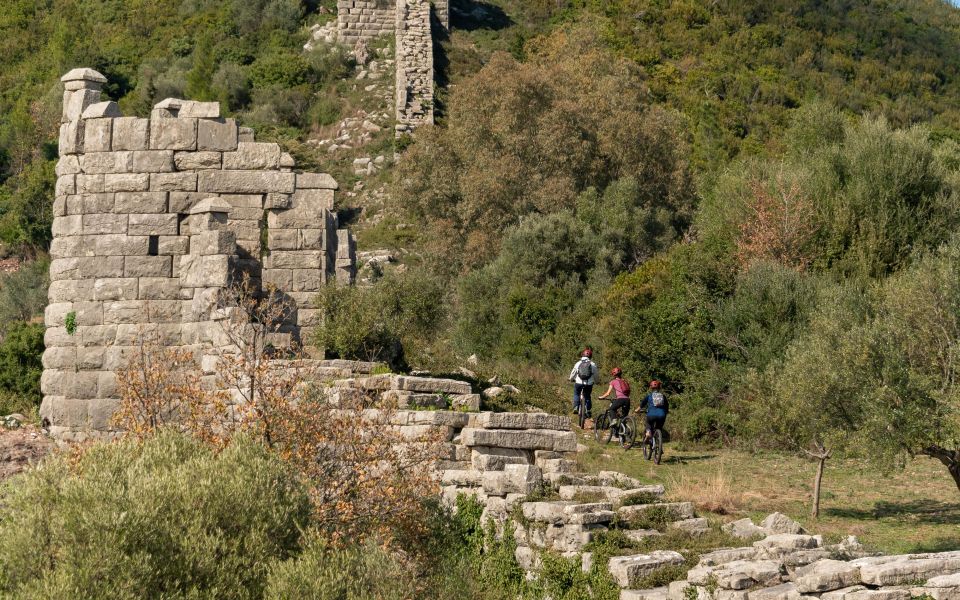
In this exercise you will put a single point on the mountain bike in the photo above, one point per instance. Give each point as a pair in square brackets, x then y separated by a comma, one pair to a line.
[653, 446]
[624, 428]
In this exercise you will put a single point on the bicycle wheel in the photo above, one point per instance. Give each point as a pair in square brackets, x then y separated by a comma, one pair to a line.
[657, 446]
[582, 414]
[601, 429]
[647, 447]
[629, 433]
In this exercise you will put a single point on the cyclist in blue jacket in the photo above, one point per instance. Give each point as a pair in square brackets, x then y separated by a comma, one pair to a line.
[657, 408]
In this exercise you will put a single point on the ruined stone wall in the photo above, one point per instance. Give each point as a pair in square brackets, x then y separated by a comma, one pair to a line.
[414, 63]
[368, 19]
[153, 219]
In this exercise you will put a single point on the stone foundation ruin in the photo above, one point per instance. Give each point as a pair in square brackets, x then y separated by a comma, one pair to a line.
[414, 23]
[153, 219]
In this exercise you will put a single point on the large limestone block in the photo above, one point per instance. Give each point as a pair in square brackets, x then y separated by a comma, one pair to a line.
[219, 135]
[546, 512]
[115, 288]
[726, 555]
[485, 458]
[101, 109]
[77, 101]
[788, 542]
[200, 110]
[784, 591]
[826, 575]
[147, 266]
[131, 133]
[738, 575]
[491, 420]
[307, 209]
[889, 594]
[152, 224]
[316, 181]
[204, 271]
[780, 523]
[97, 134]
[71, 137]
[694, 526]
[173, 182]
[461, 478]
[123, 311]
[625, 569]
[91, 79]
[246, 182]
[675, 510]
[153, 161]
[118, 244]
[101, 223]
[514, 479]
[173, 134]
[124, 182]
[743, 529]
[907, 570]
[430, 384]
[531, 439]
[253, 155]
[68, 165]
[66, 412]
[140, 202]
[213, 242]
[191, 161]
[158, 288]
[841, 593]
[106, 162]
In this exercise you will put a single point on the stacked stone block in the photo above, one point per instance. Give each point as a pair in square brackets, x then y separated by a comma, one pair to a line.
[368, 19]
[153, 218]
[414, 64]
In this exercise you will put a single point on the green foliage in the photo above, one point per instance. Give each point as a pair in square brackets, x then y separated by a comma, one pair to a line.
[321, 572]
[20, 364]
[391, 321]
[23, 293]
[124, 522]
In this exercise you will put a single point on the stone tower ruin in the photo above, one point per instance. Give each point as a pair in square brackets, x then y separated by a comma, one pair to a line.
[153, 219]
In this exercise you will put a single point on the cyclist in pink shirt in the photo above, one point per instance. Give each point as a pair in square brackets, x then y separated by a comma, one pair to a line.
[620, 407]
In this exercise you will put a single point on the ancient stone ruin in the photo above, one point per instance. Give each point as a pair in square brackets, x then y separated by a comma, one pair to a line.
[153, 219]
[414, 23]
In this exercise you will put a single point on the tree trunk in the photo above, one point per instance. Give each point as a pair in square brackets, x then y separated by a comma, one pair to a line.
[950, 459]
[821, 454]
[816, 488]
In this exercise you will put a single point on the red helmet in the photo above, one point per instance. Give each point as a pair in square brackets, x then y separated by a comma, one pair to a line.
[587, 352]
[655, 384]
[616, 372]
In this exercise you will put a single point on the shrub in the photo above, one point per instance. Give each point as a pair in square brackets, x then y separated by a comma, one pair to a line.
[161, 518]
[324, 572]
[20, 361]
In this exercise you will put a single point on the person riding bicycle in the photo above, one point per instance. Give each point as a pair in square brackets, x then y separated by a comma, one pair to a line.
[584, 376]
[657, 408]
[620, 407]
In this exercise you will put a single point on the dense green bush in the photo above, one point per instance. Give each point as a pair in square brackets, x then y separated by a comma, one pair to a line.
[20, 364]
[163, 518]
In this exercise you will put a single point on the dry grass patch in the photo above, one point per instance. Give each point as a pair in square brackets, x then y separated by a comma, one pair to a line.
[714, 493]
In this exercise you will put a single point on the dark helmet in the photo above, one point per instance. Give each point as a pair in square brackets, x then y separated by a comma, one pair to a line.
[655, 384]
[616, 372]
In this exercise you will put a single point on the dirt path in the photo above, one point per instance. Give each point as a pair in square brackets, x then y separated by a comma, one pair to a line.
[20, 448]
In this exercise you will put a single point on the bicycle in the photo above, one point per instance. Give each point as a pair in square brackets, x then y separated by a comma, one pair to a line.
[653, 446]
[582, 412]
[625, 428]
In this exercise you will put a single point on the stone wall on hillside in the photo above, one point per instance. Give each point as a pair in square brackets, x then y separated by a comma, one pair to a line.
[369, 19]
[414, 56]
[153, 219]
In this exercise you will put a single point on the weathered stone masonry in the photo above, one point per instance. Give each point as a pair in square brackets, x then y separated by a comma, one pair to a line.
[152, 220]
[359, 21]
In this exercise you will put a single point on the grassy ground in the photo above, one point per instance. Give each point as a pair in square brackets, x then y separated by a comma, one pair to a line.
[912, 510]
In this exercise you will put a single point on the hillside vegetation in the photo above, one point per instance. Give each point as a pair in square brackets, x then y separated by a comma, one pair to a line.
[752, 201]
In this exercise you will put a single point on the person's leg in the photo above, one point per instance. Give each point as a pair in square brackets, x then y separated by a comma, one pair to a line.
[587, 390]
[650, 425]
[577, 390]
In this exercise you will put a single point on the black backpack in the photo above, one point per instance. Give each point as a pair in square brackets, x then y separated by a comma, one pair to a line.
[585, 370]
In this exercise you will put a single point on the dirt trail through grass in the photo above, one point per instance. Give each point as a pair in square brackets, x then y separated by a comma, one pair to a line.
[911, 510]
